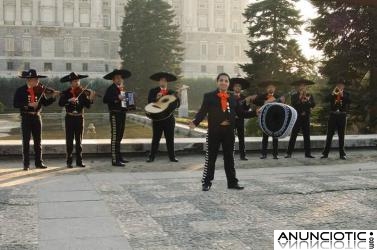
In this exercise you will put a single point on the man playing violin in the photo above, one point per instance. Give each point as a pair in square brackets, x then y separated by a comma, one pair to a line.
[75, 99]
[29, 99]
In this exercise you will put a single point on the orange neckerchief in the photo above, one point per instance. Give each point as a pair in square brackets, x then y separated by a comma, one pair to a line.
[164, 91]
[224, 100]
[32, 94]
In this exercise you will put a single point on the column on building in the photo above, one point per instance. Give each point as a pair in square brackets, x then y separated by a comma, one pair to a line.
[228, 22]
[76, 14]
[59, 14]
[35, 10]
[18, 12]
[1, 12]
[194, 7]
[211, 15]
[113, 15]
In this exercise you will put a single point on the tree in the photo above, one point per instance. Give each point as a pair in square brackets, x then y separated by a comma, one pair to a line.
[150, 42]
[273, 52]
[346, 32]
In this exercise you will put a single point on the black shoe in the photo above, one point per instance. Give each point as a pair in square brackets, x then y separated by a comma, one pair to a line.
[41, 166]
[174, 160]
[309, 156]
[26, 168]
[237, 187]
[206, 188]
[263, 157]
[69, 165]
[324, 156]
[243, 158]
[288, 156]
[81, 165]
[150, 159]
[118, 164]
[343, 157]
[124, 160]
[275, 157]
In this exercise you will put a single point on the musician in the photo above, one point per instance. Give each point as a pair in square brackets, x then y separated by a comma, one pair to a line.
[113, 98]
[303, 102]
[222, 109]
[339, 101]
[269, 97]
[238, 84]
[166, 126]
[29, 99]
[74, 99]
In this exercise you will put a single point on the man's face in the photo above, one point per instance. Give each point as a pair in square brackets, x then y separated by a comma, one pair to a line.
[223, 83]
[163, 83]
[301, 87]
[75, 83]
[237, 88]
[118, 79]
[32, 82]
[271, 89]
[341, 85]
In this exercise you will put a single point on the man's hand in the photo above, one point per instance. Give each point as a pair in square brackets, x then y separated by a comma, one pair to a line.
[121, 97]
[72, 100]
[282, 99]
[159, 95]
[192, 125]
[55, 94]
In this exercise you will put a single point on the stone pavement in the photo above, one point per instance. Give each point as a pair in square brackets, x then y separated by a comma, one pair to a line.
[102, 207]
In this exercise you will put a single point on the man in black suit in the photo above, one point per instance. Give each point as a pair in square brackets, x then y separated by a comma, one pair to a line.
[74, 100]
[238, 84]
[268, 97]
[339, 101]
[29, 99]
[165, 126]
[303, 102]
[222, 109]
[113, 98]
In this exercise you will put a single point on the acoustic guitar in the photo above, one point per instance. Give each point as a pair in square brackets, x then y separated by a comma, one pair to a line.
[162, 109]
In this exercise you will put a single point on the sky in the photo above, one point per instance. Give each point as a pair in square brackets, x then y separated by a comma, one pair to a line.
[307, 12]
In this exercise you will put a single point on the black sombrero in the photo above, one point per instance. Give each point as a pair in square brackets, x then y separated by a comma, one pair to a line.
[245, 84]
[302, 81]
[31, 73]
[168, 76]
[123, 72]
[269, 82]
[72, 76]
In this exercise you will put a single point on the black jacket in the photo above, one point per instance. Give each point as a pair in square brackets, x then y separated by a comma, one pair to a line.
[21, 100]
[212, 106]
[246, 112]
[153, 94]
[69, 107]
[343, 106]
[111, 98]
[302, 108]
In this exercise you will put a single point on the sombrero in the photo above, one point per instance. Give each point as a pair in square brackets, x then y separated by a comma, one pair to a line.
[277, 119]
[302, 81]
[72, 76]
[31, 73]
[245, 84]
[159, 75]
[123, 72]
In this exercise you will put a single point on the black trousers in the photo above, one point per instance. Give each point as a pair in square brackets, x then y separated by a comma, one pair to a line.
[118, 124]
[31, 125]
[166, 126]
[74, 128]
[336, 122]
[265, 145]
[303, 124]
[224, 136]
[240, 130]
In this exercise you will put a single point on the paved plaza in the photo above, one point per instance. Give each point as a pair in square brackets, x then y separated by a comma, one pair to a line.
[161, 206]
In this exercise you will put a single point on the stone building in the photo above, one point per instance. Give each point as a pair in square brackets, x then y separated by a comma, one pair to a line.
[58, 36]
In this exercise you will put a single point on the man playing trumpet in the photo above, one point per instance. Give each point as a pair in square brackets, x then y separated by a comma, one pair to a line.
[303, 102]
[339, 105]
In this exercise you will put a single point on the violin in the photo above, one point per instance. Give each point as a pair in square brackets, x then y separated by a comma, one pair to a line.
[80, 90]
[42, 89]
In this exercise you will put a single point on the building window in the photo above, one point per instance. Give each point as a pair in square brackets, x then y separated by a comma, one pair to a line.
[237, 50]
[9, 44]
[236, 27]
[203, 4]
[26, 65]
[85, 47]
[203, 68]
[10, 66]
[220, 27]
[47, 67]
[84, 67]
[9, 14]
[204, 49]
[106, 68]
[48, 47]
[203, 22]
[26, 45]
[106, 21]
[68, 16]
[84, 17]
[220, 49]
[68, 66]
[47, 14]
[68, 45]
[26, 15]
[220, 69]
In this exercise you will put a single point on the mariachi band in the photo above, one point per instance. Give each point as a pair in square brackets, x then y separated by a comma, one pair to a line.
[226, 109]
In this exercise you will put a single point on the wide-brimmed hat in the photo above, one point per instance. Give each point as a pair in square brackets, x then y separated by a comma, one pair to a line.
[123, 72]
[245, 84]
[302, 81]
[31, 73]
[340, 80]
[159, 75]
[72, 76]
[265, 83]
